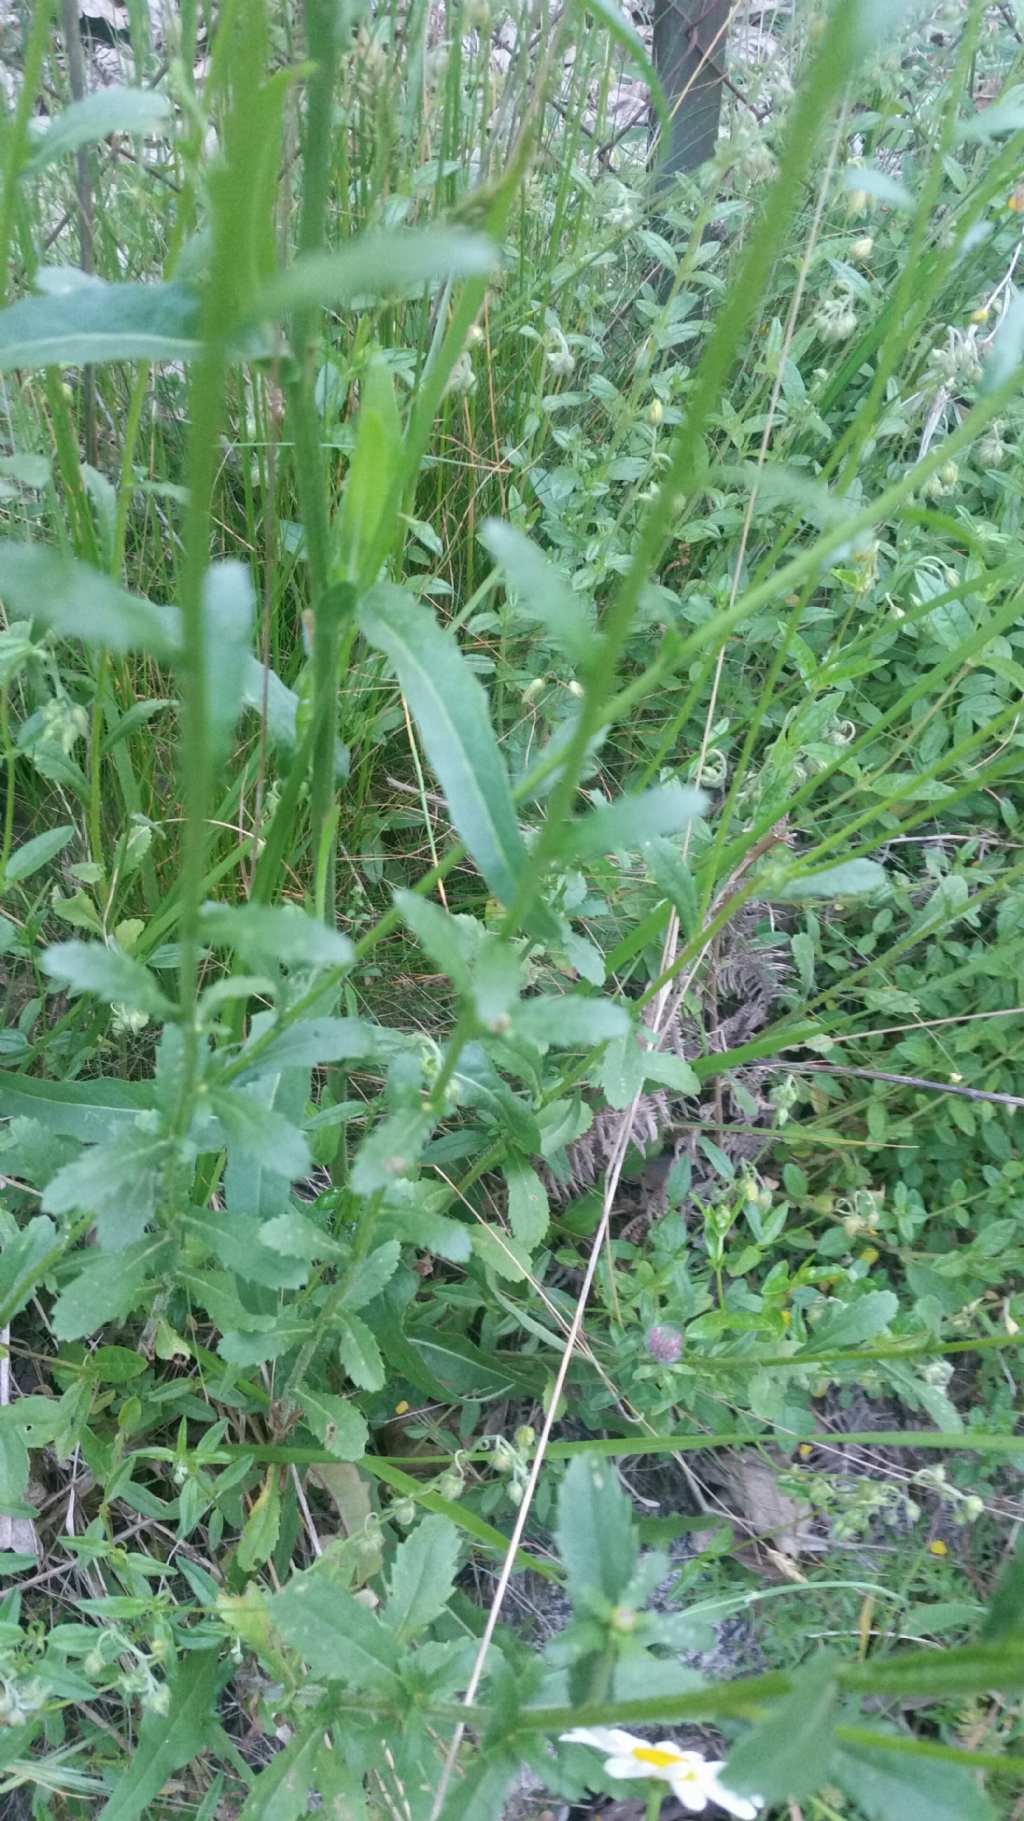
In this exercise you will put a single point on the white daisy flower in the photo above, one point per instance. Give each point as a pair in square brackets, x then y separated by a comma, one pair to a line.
[692, 1778]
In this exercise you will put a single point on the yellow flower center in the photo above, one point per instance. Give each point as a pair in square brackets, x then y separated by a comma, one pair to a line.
[649, 1754]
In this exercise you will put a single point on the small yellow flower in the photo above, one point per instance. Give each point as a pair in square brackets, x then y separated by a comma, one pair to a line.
[805, 1450]
[787, 1318]
[402, 1409]
[869, 1256]
[981, 314]
[1015, 200]
[938, 1547]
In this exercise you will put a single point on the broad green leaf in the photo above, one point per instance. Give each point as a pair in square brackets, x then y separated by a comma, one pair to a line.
[422, 1577]
[311, 1042]
[850, 879]
[595, 1533]
[671, 1071]
[384, 264]
[281, 1790]
[118, 1183]
[256, 1345]
[79, 602]
[528, 1211]
[278, 706]
[879, 184]
[23, 1261]
[93, 321]
[88, 1110]
[339, 1637]
[630, 822]
[168, 1740]
[390, 1150]
[450, 709]
[336, 1422]
[859, 1321]
[239, 1241]
[94, 117]
[108, 1287]
[372, 471]
[567, 1020]
[439, 936]
[260, 1136]
[27, 469]
[31, 855]
[297, 1236]
[92, 967]
[1003, 116]
[228, 608]
[359, 1353]
[672, 875]
[787, 1756]
[372, 1274]
[884, 1787]
[543, 596]
[259, 1535]
[263, 933]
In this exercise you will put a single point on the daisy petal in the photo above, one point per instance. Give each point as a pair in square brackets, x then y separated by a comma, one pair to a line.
[744, 1808]
[601, 1738]
[627, 1767]
[690, 1794]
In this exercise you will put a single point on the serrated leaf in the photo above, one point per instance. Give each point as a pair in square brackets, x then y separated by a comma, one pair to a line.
[528, 1211]
[422, 1577]
[504, 1256]
[451, 711]
[336, 1422]
[23, 1261]
[107, 110]
[256, 1345]
[543, 596]
[438, 935]
[391, 1149]
[92, 967]
[359, 1353]
[31, 855]
[670, 1071]
[372, 1274]
[883, 1787]
[630, 823]
[310, 1043]
[108, 1287]
[568, 1020]
[281, 1790]
[297, 1236]
[851, 879]
[789, 1754]
[239, 1242]
[261, 1136]
[263, 933]
[168, 1740]
[860, 1321]
[117, 1183]
[672, 875]
[595, 1533]
[339, 1637]
[95, 322]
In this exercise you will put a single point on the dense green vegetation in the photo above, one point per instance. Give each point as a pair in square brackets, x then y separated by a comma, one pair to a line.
[512, 928]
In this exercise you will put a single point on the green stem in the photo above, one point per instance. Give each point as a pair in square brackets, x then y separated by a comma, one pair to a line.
[17, 137]
[655, 1797]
